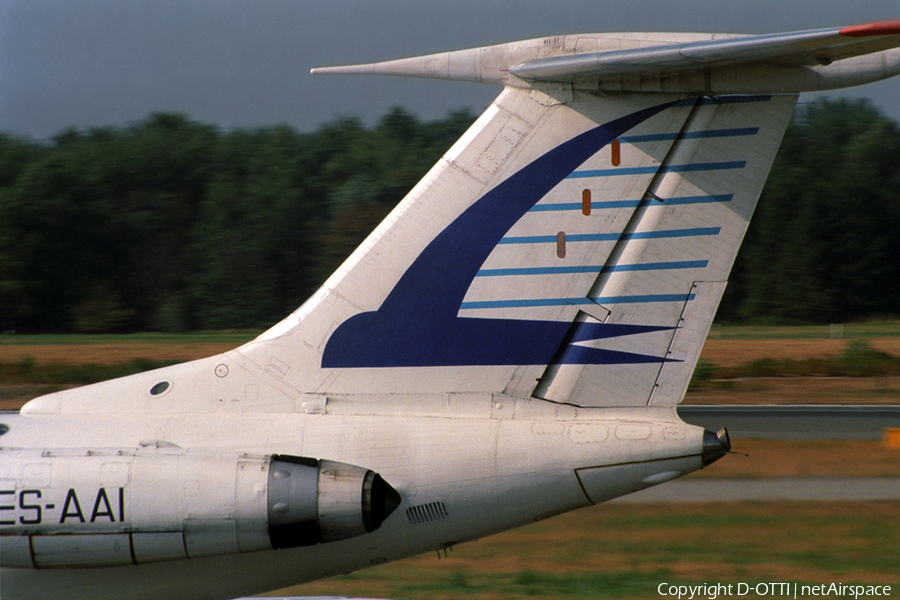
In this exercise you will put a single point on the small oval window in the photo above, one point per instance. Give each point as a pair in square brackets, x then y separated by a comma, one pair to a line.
[3, 428]
[159, 388]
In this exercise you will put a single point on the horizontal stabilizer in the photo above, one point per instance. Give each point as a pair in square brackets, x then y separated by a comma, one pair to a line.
[670, 62]
[805, 48]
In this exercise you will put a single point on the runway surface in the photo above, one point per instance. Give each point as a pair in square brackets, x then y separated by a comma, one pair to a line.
[827, 489]
[795, 422]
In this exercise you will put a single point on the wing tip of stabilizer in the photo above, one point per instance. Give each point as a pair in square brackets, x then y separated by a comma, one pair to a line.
[343, 70]
[461, 65]
[872, 29]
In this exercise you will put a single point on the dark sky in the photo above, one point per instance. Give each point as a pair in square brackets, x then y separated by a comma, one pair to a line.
[245, 63]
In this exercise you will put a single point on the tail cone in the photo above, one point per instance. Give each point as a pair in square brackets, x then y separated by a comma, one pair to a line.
[379, 501]
[716, 444]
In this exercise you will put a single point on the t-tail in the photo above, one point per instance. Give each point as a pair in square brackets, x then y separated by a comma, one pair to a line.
[509, 344]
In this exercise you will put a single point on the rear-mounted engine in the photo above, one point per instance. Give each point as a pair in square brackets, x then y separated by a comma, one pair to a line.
[80, 508]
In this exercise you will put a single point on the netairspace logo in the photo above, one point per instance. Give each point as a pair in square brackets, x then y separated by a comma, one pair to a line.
[711, 591]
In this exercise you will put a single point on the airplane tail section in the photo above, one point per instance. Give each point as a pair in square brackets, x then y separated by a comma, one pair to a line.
[575, 243]
[571, 248]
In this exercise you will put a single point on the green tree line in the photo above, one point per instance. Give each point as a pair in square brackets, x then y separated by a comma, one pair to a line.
[823, 244]
[173, 225]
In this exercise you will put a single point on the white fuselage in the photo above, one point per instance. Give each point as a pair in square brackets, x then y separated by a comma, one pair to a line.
[464, 468]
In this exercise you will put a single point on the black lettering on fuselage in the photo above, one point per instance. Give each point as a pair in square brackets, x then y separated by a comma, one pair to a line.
[25, 507]
[107, 509]
[71, 500]
[35, 507]
[7, 507]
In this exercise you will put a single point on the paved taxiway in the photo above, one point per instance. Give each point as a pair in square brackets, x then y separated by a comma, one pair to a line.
[809, 422]
[806, 422]
[798, 489]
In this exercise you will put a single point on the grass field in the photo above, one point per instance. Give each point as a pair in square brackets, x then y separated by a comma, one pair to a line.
[850, 364]
[740, 365]
[726, 345]
[619, 551]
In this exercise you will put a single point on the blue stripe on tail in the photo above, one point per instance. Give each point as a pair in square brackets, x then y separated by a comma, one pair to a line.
[418, 323]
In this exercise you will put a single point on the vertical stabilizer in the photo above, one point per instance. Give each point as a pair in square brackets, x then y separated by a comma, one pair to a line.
[568, 246]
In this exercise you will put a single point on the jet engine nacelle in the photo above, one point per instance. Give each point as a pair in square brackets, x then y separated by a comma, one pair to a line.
[100, 507]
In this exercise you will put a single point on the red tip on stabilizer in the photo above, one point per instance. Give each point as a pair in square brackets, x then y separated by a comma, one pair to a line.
[884, 28]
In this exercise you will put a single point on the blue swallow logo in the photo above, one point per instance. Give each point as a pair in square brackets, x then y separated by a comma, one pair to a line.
[418, 325]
